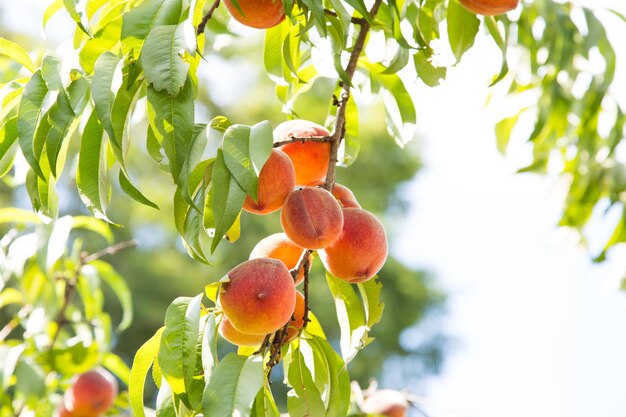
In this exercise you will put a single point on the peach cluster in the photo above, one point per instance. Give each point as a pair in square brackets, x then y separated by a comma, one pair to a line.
[91, 395]
[259, 296]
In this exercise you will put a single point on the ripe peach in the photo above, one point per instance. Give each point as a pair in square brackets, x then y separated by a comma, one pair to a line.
[309, 158]
[279, 246]
[385, 402]
[344, 195]
[311, 217]
[489, 7]
[361, 249]
[259, 296]
[298, 315]
[92, 393]
[276, 180]
[260, 14]
[235, 337]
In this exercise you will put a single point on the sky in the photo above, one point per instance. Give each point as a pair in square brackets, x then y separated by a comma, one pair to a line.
[537, 329]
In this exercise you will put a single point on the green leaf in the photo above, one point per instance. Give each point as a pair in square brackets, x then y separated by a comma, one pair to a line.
[233, 386]
[92, 173]
[177, 353]
[120, 113]
[28, 116]
[52, 71]
[359, 6]
[245, 152]
[370, 294]
[133, 192]
[399, 107]
[8, 145]
[228, 198]
[264, 404]
[171, 119]
[502, 42]
[18, 216]
[116, 365]
[16, 53]
[141, 19]
[120, 289]
[189, 223]
[162, 58]
[107, 67]
[503, 131]
[63, 120]
[351, 316]
[304, 399]
[337, 388]
[142, 361]
[50, 11]
[78, 15]
[462, 28]
[428, 73]
[209, 346]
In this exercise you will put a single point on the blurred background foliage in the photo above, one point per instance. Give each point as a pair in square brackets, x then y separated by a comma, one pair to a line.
[159, 269]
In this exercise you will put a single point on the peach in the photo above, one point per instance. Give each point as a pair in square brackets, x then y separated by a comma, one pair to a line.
[276, 180]
[259, 14]
[311, 217]
[259, 296]
[91, 394]
[489, 7]
[386, 402]
[298, 318]
[234, 336]
[344, 195]
[361, 249]
[279, 246]
[310, 159]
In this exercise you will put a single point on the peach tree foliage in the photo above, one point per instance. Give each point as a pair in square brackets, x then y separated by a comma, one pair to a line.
[143, 57]
[60, 326]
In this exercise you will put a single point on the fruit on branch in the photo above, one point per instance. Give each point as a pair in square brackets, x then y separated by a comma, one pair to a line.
[276, 180]
[309, 158]
[279, 246]
[344, 195]
[298, 316]
[259, 296]
[386, 402]
[260, 14]
[489, 7]
[311, 217]
[91, 394]
[361, 249]
[234, 336]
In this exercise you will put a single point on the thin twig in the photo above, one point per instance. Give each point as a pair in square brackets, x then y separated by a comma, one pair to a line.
[305, 289]
[340, 121]
[293, 139]
[206, 17]
[110, 251]
[70, 286]
[355, 20]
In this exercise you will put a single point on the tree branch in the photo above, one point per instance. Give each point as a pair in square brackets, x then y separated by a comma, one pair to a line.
[355, 20]
[206, 17]
[335, 139]
[110, 251]
[340, 121]
[293, 139]
[70, 286]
